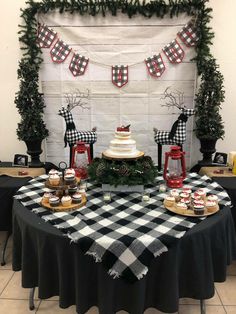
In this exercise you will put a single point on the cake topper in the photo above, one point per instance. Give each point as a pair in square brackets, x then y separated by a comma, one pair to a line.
[123, 128]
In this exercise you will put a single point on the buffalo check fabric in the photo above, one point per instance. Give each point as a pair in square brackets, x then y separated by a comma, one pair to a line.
[78, 64]
[46, 36]
[188, 34]
[126, 234]
[155, 65]
[60, 51]
[119, 75]
[174, 52]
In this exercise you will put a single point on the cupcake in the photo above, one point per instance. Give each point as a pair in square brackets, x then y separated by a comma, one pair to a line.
[53, 171]
[69, 178]
[66, 200]
[187, 190]
[181, 207]
[76, 198]
[46, 197]
[198, 202]
[213, 198]
[196, 197]
[54, 201]
[54, 179]
[186, 201]
[175, 194]
[70, 171]
[211, 206]
[201, 193]
[72, 189]
[169, 200]
[198, 209]
[82, 191]
[184, 195]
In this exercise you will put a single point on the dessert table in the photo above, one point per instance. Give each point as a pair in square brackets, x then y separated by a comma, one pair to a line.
[58, 266]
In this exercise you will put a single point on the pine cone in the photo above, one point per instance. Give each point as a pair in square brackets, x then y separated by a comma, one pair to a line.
[146, 165]
[100, 169]
[124, 170]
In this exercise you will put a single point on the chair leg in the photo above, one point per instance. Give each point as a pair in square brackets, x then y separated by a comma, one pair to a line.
[202, 307]
[159, 156]
[4, 248]
[31, 299]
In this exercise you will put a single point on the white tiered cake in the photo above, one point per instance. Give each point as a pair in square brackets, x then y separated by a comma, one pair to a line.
[123, 146]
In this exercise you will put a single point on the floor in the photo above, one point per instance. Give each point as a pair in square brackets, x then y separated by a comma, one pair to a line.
[14, 299]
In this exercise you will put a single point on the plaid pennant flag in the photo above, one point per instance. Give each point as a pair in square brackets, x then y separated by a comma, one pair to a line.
[46, 36]
[78, 64]
[188, 34]
[119, 75]
[155, 65]
[174, 52]
[60, 51]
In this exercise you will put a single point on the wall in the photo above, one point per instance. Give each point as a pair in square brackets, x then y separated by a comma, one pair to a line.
[224, 49]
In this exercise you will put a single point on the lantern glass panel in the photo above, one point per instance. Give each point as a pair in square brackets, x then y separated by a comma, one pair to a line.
[174, 167]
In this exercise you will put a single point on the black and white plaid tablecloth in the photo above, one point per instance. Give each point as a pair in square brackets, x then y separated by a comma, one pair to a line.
[126, 234]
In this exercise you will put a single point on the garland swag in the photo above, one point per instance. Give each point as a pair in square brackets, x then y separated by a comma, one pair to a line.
[32, 52]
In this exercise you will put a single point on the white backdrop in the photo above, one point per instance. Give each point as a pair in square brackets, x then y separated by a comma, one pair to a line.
[115, 40]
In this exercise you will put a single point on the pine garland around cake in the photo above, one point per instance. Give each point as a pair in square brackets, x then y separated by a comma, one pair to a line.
[130, 172]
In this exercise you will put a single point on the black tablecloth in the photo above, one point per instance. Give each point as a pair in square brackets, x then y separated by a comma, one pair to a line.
[48, 260]
[8, 187]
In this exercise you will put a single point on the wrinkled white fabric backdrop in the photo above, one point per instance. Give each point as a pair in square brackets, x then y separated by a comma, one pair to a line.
[115, 40]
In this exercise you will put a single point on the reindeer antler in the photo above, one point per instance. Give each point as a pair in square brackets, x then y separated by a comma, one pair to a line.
[174, 98]
[77, 99]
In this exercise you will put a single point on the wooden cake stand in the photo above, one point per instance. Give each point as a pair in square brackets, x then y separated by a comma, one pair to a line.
[111, 157]
[61, 208]
[62, 185]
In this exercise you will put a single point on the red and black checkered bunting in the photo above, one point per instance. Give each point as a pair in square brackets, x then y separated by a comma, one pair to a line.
[119, 75]
[188, 34]
[60, 52]
[46, 36]
[78, 64]
[174, 52]
[155, 65]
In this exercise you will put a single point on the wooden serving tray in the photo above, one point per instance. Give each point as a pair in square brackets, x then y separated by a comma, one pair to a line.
[111, 157]
[189, 212]
[62, 185]
[61, 208]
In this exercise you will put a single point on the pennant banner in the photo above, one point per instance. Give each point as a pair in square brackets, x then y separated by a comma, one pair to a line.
[46, 36]
[60, 52]
[174, 52]
[119, 75]
[155, 65]
[188, 34]
[78, 64]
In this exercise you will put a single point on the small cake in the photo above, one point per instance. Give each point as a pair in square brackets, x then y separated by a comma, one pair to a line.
[53, 171]
[54, 179]
[72, 189]
[46, 197]
[66, 200]
[186, 201]
[69, 178]
[76, 198]
[169, 200]
[213, 198]
[211, 206]
[201, 193]
[196, 196]
[54, 201]
[175, 194]
[198, 209]
[187, 190]
[181, 207]
[70, 171]
[198, 202]
[184, 195]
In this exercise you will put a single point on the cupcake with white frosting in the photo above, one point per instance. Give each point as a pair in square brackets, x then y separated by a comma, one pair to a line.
[66, 200]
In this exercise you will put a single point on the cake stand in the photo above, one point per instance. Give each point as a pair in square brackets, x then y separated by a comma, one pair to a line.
[112, 157]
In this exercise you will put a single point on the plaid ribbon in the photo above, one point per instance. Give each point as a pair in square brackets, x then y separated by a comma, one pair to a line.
[78, 64]
[46, 36]
[188, 34]
[126, 234]
[174, 52]
[119, 75]
[155, 65]
[60, 51]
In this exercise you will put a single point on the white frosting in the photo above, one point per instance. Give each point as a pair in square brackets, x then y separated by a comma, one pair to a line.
[77, 196]
[210, 203]
[170, 198]
[212, 198]
[65, 198]
[54, 176]
[181, 205]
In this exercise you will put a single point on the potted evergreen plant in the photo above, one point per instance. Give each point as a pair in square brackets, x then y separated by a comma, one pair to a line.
[30, 104]
[209, 124]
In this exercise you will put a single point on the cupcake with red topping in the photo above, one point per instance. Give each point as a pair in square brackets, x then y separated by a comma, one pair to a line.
[175, 194]
[213, 198]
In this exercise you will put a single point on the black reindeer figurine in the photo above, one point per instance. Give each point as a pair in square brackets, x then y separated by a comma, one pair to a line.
[177, 134]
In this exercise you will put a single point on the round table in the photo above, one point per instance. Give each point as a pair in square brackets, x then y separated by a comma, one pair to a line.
[56, 266]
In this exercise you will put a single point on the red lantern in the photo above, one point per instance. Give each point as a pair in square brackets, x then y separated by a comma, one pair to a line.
[81, 158]
[175, 169]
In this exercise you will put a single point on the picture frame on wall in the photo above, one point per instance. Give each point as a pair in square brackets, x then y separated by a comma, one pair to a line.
[220, 159]
[20, 160]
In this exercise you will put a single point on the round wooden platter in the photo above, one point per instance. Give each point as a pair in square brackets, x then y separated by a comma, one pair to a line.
[62, 185]
[61, 208]
[111, 157]
[189, 212]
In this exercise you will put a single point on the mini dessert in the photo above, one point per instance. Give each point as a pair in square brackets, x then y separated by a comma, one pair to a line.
[66, 200]
[198, 209]
[211, 206]
[54, 179]
[76, 198]
[198, 202]
[212, 198]
[70, 171]
[69, 178]
[184, 195]
[53, 171]
[187, 190]
[72, 189]
[169, 200]
[175, 194]
[182, 207]
[81, 191]
[54, 201]
[201, 193]
[196, 196]
[46, 197]
[186, 201]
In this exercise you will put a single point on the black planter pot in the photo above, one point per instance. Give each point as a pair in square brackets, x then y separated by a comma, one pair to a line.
[208, 147]
[34, 150]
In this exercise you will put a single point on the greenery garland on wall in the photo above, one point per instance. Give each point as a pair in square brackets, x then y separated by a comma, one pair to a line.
[30, 102]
